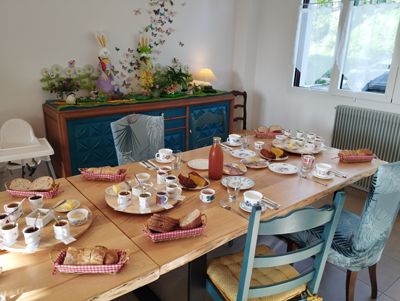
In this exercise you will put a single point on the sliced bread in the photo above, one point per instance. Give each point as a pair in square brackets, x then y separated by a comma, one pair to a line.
[42, 184]
[20, 184]
[191, 220]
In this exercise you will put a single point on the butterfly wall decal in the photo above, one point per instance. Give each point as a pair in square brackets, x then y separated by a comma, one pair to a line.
[181, 44]
[117, 49]
[137, 11]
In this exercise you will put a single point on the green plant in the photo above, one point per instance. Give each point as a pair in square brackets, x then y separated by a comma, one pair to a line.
[63, 81]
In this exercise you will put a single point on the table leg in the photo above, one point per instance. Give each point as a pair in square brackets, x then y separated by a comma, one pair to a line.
[197, 270]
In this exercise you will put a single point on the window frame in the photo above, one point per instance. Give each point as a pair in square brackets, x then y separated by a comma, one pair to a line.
[392, 91]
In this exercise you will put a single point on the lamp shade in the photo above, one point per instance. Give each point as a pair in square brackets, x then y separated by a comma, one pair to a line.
[205, 75]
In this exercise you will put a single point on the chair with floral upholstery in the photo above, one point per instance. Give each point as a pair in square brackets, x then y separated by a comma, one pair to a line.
[359, 240]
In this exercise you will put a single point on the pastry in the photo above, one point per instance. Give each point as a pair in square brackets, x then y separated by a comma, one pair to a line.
[277, 152]
[42, 184]
[111, 257]
[71, 257]
[162, 223]
[199, 180]
[20, 184]
[267, 154]
[191, 220]
[186, 182]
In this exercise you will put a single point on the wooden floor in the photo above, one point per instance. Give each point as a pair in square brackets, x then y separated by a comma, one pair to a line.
[169, 286]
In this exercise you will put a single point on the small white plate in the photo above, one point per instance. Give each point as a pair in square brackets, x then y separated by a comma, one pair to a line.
[246, 208]
[283, 168]
[329, 176]
[199, 164]
[245, 182]
[243, 153]
[233, 144]
[165, 161]
[257, 163]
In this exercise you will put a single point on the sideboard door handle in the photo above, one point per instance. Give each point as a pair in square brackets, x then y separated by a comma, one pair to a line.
[190, 131]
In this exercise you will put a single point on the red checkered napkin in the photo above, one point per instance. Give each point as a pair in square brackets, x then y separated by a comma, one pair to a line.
[177, 234]
[46, 194]
[58, 265]
[103, 176]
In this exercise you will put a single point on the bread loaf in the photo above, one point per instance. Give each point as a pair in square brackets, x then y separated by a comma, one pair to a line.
[42, 184]
[111, 257]
[191, 220]
[72, 256]
[20, 184]
[110, 170]
[162, 223]
[96, 256]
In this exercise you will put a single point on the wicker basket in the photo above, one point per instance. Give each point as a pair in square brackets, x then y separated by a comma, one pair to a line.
[46, 194]
[173, 235]
[58, 265]
[102, 176]
[356, 159]
[266, 135]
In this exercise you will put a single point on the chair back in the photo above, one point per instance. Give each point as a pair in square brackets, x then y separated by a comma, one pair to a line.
[241, 115]
[380, 211]
[298, 220]
[137, 137]
[17, 133]
[207, 126]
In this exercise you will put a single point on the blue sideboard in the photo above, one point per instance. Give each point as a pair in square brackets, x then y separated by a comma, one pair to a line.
[83, 138]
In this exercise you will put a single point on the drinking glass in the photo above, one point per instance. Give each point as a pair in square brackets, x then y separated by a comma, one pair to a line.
[176, 164]
[245, 142]
[233, 188]
[307, 163]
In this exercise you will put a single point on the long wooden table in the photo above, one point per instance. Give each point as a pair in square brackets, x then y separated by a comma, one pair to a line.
[29, 276]
[290, 191]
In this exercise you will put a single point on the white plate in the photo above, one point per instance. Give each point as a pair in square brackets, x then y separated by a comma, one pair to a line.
[165, 161]
[246, 208]
[199, 164]
[283, 168]
[245, 183]
[243, 153]
[257, 163]
[329, 176]
[233, 144]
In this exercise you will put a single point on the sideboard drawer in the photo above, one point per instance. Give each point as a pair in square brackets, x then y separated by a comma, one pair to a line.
[167, 113]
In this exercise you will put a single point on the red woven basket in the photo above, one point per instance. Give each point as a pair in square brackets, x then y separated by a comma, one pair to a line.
[58, 265]
[266, 134]
[177, 234]
[102, 176]
[356, 159]
[46, 194]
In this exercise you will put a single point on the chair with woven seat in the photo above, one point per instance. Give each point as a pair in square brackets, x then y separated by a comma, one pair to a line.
[266, 275]
[137, 137]
[241, 106]
[359, 240]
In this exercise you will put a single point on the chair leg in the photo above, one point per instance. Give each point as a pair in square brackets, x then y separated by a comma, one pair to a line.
[372, 278]
[51, 169]
[351, 280]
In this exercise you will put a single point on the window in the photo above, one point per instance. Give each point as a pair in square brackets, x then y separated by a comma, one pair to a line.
[347, 47]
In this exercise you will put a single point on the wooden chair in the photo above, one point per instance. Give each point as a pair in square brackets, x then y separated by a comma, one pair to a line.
[242, 106]
[265, 274]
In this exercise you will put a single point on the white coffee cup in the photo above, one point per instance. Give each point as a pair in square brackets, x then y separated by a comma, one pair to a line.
[144, 199]
[61, 229]
[4, 219]
[164, 154]
[299, 134]
[311, 136]
[161, 175]
[233, 139]
[171, 179]
[36, 201]
[207, 195]
[10, 233]
[280, 138]
[31, 235]
[161, 198]
[323, 169]
[166, 169]
[14, 209]
[252, 197]
[124, 197]
[258, 145]
[143, 177]
[173, 190]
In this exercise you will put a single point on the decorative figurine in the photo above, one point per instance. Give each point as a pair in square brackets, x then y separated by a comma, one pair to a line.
[104, 82]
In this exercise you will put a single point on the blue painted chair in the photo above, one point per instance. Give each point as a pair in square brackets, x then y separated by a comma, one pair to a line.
[359, 240]
[266, 275]
[137, 137]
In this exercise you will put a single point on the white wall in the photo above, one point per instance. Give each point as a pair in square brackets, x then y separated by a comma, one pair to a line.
[37, 34]
[274, 100]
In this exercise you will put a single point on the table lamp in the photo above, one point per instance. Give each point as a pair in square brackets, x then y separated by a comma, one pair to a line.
[204, 78]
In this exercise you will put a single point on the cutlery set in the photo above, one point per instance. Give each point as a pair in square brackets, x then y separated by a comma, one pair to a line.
[149, 165]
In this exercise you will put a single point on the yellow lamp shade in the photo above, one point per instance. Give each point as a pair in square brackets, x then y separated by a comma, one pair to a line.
[205, 75]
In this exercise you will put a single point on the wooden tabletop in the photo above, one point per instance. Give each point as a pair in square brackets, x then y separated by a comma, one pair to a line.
[29, 276]
[290, 191]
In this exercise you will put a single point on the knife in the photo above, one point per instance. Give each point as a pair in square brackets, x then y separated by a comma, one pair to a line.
[271, 203]
[58, 204]
[226, 147]
[152, 164]
[339, 173]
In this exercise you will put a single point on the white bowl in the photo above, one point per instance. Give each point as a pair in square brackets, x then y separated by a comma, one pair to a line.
[78, 216]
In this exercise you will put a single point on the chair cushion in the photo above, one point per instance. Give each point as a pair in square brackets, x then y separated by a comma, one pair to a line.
[224, 272]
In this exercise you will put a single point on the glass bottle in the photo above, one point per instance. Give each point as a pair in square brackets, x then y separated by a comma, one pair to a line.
[215, 160]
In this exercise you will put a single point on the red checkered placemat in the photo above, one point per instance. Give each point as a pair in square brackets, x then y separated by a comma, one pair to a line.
[177, 234]
[103, 177]
[58, 265]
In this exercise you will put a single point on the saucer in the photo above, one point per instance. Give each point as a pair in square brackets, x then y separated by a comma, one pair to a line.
[199, 164]
[246, 208]
[328, 176]
[232, 144]
[159, 160]
[283, 168]
[245, 183]
[243, 153]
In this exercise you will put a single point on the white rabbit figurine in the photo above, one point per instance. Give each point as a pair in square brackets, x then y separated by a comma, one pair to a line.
[104, 82]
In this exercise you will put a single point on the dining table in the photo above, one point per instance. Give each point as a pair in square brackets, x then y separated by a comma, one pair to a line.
[30, 276]
[224, 223]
